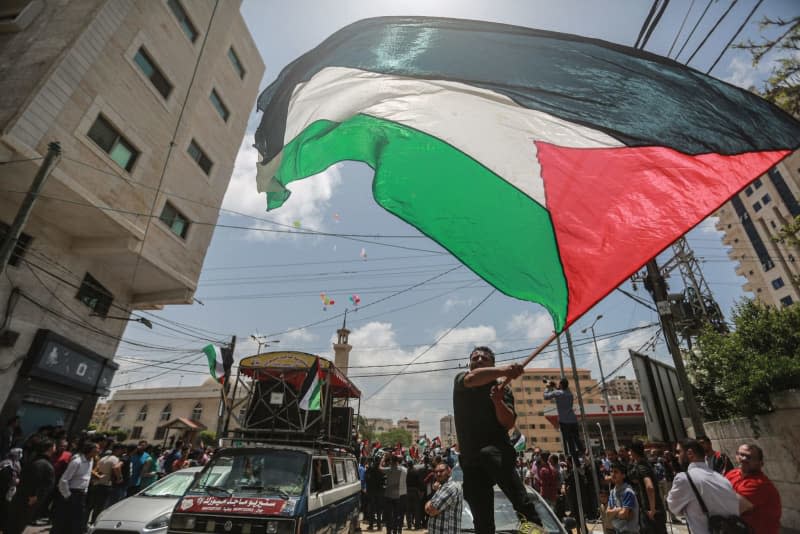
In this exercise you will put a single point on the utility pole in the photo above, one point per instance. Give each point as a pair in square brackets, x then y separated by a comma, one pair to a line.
[585, 434]
[24, 212]
[225, 405]
[560, 356]
[603, 384]
[657, 286]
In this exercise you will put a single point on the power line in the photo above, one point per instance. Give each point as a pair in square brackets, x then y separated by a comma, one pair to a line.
[654, 24]
[694, 28]
[735, 35]
[691, 6]
[703, 42]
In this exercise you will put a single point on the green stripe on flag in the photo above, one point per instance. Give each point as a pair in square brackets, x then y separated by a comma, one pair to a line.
[462, 205]
[215, 366]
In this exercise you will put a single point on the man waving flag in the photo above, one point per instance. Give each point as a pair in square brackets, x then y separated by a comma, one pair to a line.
[552, 165]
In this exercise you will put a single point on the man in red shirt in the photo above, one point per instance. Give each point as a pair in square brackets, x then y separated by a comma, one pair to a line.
[548, 480]
[759, 501]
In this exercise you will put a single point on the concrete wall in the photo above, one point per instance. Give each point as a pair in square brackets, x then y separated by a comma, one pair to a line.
[780, 434]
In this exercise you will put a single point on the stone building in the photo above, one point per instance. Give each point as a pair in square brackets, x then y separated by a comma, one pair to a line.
[751, 219]
[149, 102]
[447, 430]
[411, 425]
[380, 425]
[622, 388]
[158, 414]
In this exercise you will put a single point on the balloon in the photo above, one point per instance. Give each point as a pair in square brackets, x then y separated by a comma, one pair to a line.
[363, 254]
[296, 224]
[355, 300]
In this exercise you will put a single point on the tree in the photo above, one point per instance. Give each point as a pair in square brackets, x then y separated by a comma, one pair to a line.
[789, 235]
[391, 437]
[735, 373]
[782, 87]
[208, 437]
[365, 430]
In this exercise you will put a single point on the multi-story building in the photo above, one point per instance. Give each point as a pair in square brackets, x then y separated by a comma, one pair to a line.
[531, 406]
[750, 221]
[622, 388]
[100, 415]
[447, 430]
[149, 102]
[164, 414]
[380, 425]
[412, 425]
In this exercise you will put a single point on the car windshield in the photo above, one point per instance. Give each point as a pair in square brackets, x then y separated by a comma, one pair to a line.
[173, 485]
[259, 473]
[505, 518]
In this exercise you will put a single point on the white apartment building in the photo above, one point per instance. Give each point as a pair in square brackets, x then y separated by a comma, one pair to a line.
[149, 100]
[750, 221]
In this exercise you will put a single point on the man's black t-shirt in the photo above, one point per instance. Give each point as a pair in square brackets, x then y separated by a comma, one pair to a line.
[637, 472]
[476, 422]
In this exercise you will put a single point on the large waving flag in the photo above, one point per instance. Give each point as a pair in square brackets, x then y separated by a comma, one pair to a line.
[551, 165]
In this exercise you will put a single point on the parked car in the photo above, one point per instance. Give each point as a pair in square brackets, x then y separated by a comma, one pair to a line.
[148, 511]
[506, 519]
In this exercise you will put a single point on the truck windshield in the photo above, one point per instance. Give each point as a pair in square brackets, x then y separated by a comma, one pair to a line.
[254, 473]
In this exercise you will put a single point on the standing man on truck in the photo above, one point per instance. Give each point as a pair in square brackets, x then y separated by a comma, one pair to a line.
[484, 414]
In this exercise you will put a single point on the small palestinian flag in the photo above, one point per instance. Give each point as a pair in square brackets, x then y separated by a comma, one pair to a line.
[311, 390]
[554, 166]
[215, 364]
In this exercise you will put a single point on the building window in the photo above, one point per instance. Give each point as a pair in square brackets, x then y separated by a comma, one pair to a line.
[166, 413]
[766, 199]
[197, 412]
[109, 139]
[149, 69]
[773, 225]
[160, 433]
[237, 65]
[545, 439]
[120, 413]
[94, 295]
[757, 207]
[778, 283]
[221, 108]
[19, 249]
[757, 183]
[748, 191]
[136, 432]
[537, 389]
[142, 414]
[197, 154]
[787, 301]
[178, 224]
[183, 19]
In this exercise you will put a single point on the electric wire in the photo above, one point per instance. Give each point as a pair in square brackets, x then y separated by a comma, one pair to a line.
[685, 18]
[735, 35]
[713, 29]
[694, 28]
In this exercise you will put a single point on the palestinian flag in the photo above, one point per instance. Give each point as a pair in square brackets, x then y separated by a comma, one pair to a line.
[215, 364]
[552, 165]
[311, 390]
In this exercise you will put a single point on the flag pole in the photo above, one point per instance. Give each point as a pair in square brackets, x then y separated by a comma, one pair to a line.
[532, 355]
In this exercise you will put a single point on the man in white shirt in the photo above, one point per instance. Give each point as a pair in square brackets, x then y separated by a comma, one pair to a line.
[70, 514]
[394, 494]
[717, 492]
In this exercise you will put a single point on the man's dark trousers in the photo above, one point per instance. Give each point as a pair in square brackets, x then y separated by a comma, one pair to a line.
[496, 464]
[70, 514]
[572, 441]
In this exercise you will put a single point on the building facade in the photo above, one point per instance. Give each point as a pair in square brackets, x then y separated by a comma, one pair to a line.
[149, 102]
[411, 425]
[162, 414]
[751, 219]
[621, 387]
[531, 407]
[380, 425]
[447, 430]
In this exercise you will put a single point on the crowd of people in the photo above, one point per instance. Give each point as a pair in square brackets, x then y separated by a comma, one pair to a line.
[50, 478]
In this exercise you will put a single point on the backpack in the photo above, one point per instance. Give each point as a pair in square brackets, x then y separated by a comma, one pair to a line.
[720, 524]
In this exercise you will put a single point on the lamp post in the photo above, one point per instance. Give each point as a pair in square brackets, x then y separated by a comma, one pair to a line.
[603, 383]
[263, 341]
[602, 439]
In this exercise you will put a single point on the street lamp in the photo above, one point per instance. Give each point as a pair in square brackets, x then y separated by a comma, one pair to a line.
[602, 439]
[603, 382]
[263, 341]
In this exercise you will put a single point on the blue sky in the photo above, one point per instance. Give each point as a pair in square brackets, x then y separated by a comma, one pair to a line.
[268, 283]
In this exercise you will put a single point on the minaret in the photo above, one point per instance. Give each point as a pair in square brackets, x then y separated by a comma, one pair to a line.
[341, 349]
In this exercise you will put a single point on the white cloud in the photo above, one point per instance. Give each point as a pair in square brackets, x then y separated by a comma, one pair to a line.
[308, 204]
[534, 327]
[298, 338]
[451, 304]
[743, 74]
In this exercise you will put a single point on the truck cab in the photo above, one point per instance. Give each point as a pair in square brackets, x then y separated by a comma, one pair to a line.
[281, 469]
